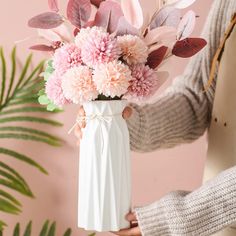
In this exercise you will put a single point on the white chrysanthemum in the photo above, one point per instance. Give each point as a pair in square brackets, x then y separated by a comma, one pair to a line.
[134, 50]
[112, 79]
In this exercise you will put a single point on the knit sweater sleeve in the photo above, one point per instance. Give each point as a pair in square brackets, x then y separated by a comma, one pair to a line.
[203, 212]
[182, 113]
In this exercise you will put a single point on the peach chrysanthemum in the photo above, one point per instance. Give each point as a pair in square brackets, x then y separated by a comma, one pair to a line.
[99, 48]
[133, 48]
[54, 90]
[78, 85]
[112, 79]
[66, 57]
[143, 84]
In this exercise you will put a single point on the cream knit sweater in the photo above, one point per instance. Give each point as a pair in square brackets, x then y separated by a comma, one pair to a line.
[181, 115]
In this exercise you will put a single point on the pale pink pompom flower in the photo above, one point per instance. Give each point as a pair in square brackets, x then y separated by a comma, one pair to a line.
[66, 57]
[84, 34]
[133, 48]
[144, 83]
[99, 48]
[54, 90]
[112, 79]
[78, 85]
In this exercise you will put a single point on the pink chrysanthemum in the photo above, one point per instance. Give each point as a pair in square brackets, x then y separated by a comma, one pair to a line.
[66, 57]
[143, 84]
[54, 90]
[84, 33]
[99, 48]
[78, 85]
[133, 48]
[112, 79]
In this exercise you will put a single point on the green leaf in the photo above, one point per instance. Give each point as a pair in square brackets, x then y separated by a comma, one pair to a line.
[24, 71]
[68, 232]
[28, 137]
[15, 173]
[8, 207]
[2, 225]
[3, 76]
[10, 198]
[23, 158]
[28, 229]
[41, 92]
[49, 62]
[23, 109]
[17, 230]
[30, 119]
[38, 69]
[31, 131]
[52, 229]
[43, 100]
[12, 182]
[44, 228]
[51, 107]
[13, 71]
[92, 234]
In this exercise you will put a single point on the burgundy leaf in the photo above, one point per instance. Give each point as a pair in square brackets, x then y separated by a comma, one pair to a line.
[96, 3]
[188, 47]
[76, 31]
[168, 15]
[78, 11]
[47, 20]
[108, 15]
[124, 27]
[53, 5]
[156, 57]
[42, 47]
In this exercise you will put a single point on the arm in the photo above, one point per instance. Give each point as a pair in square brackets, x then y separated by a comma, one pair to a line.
[182, 113]
[202, 212]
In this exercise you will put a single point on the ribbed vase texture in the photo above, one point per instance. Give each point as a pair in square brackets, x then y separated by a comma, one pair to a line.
[104, 168]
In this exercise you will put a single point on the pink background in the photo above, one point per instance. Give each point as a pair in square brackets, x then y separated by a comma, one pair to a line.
[153, 174]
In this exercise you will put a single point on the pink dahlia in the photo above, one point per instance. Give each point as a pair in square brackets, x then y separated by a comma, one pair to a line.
[143, 84]
[133, 48]
[99, 48]
[66, 57]
[112, 79]
[54, 90]
[78, 85]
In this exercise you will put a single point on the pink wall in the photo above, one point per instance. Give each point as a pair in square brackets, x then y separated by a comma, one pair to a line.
[153, 174]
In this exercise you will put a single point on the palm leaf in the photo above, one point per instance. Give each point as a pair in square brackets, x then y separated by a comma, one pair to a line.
[28, 229]
[17, 230]
[8, 207]
[3, 75]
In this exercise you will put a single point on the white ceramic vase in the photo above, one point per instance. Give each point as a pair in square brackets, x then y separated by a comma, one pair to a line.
[104, 168]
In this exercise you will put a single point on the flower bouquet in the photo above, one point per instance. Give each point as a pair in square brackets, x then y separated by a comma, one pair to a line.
[112, 57]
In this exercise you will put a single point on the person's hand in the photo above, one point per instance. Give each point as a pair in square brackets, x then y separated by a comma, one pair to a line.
[78, 132]
[134, 229]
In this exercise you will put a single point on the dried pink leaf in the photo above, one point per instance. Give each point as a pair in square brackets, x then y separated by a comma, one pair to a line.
[108, 15]
[188, 47]
[161, 35]
[168, 16]
[181, 4]
[133, 12]
[78, 11]
[42, 47]
[156, 57]
[53, 5]
[186, 25]
[47, 20]
[124, 27]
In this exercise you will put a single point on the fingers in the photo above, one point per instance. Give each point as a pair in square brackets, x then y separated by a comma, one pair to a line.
[81, 113]
[127, 112]
[128, 232]
[131, 216]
